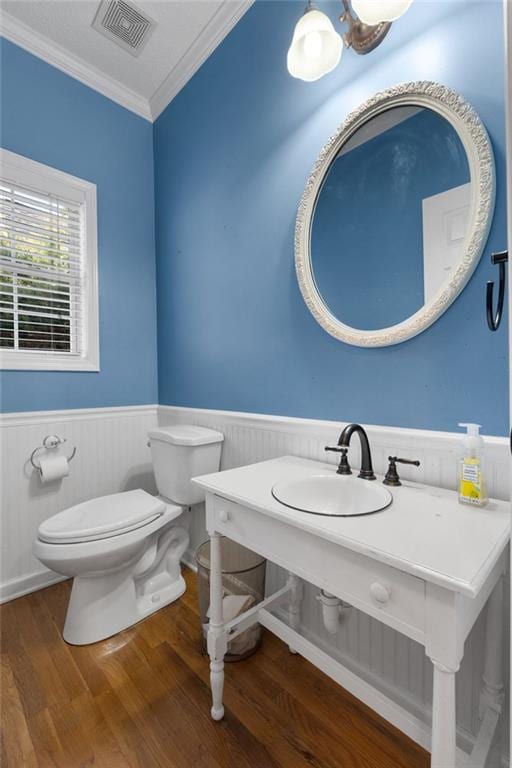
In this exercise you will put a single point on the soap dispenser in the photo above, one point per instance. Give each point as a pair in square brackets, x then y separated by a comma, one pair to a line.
[472, 486]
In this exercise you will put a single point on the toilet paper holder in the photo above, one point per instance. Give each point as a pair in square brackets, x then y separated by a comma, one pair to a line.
[50, 443]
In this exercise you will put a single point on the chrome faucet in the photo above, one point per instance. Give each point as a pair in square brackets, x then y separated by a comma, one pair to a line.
[366, 472]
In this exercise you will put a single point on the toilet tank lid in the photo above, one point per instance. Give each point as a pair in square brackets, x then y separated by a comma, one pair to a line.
[186, 434]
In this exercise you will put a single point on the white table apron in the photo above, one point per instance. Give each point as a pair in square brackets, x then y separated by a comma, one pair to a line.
[438, 618]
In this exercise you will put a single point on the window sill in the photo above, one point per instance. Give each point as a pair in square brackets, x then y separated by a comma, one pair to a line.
[43, 361]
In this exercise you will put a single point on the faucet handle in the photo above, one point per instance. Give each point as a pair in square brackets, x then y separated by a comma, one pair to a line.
[392, 477]
[344, 466]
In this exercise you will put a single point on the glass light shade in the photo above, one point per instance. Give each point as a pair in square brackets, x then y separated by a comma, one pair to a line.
[375, 11]
[315, 48]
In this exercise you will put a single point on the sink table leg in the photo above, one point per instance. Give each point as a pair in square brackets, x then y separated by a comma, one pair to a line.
[492, 689]
[443, 718]
[217, 640]
[444, 645]
[295, 602]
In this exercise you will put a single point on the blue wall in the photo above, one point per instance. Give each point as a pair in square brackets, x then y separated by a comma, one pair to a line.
[232, 154]
[367, 232]
[52, 118]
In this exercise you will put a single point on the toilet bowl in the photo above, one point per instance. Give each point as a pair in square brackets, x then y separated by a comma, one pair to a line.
[123, 551]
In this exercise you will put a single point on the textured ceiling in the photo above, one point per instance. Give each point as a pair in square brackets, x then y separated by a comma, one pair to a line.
[181, 26]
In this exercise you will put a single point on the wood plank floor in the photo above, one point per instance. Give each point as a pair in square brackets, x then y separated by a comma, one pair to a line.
[141, 700]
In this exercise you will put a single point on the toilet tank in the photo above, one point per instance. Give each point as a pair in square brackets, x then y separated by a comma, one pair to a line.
[180, 453]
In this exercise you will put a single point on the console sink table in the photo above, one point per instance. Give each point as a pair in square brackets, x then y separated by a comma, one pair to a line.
[426, 567]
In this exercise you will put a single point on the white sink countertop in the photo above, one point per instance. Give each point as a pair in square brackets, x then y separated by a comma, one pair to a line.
[425, 532]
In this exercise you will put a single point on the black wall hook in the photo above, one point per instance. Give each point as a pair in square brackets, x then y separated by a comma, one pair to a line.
[494, 320]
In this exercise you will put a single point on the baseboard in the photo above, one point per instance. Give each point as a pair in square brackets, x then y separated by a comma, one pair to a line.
[14, 588]
[189, 560]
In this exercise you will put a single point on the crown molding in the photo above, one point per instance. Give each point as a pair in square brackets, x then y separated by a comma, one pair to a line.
[209, 38]
[39, 45]
[203, 46]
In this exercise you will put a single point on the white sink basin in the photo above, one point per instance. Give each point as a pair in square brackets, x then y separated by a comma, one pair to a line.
[333, 495]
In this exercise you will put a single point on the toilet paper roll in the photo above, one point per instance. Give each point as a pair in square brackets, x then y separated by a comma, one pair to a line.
[53, 468]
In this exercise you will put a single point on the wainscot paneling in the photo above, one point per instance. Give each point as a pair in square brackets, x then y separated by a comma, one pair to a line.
[385, 658]
[112, 455]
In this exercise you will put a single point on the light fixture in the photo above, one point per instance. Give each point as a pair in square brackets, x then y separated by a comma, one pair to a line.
[372, 12]
[316, 47]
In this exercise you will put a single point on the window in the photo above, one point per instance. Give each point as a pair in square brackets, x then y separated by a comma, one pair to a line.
[48, 268]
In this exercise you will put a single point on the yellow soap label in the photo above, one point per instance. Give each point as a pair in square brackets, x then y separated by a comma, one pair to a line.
[471, 480]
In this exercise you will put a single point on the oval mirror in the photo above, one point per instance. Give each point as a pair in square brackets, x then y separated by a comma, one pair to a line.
[395, 215]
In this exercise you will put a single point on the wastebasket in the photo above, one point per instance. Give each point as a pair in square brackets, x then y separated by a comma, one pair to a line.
[243, 583]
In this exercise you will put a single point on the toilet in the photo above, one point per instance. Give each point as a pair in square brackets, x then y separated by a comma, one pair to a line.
[123, 551]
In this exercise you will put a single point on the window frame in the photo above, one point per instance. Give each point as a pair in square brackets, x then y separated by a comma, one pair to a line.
[18, 169]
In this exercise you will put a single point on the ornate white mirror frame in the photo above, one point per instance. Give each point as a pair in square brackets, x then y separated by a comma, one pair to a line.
[478, 148]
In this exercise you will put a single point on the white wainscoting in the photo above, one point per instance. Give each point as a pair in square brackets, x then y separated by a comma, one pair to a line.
[112, 455]
[387, 660]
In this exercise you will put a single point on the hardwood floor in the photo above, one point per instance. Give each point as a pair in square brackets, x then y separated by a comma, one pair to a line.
[141, 700]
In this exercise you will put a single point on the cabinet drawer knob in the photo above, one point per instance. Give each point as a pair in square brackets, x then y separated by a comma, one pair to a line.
[223, 516]
[380, 593]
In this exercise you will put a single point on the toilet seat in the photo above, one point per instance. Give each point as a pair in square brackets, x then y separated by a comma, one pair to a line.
[102, 518]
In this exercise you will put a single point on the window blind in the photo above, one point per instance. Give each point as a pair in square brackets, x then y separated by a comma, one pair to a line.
[41, 271]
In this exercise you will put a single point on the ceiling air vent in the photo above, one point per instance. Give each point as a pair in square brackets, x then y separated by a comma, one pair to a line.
[124, 24]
